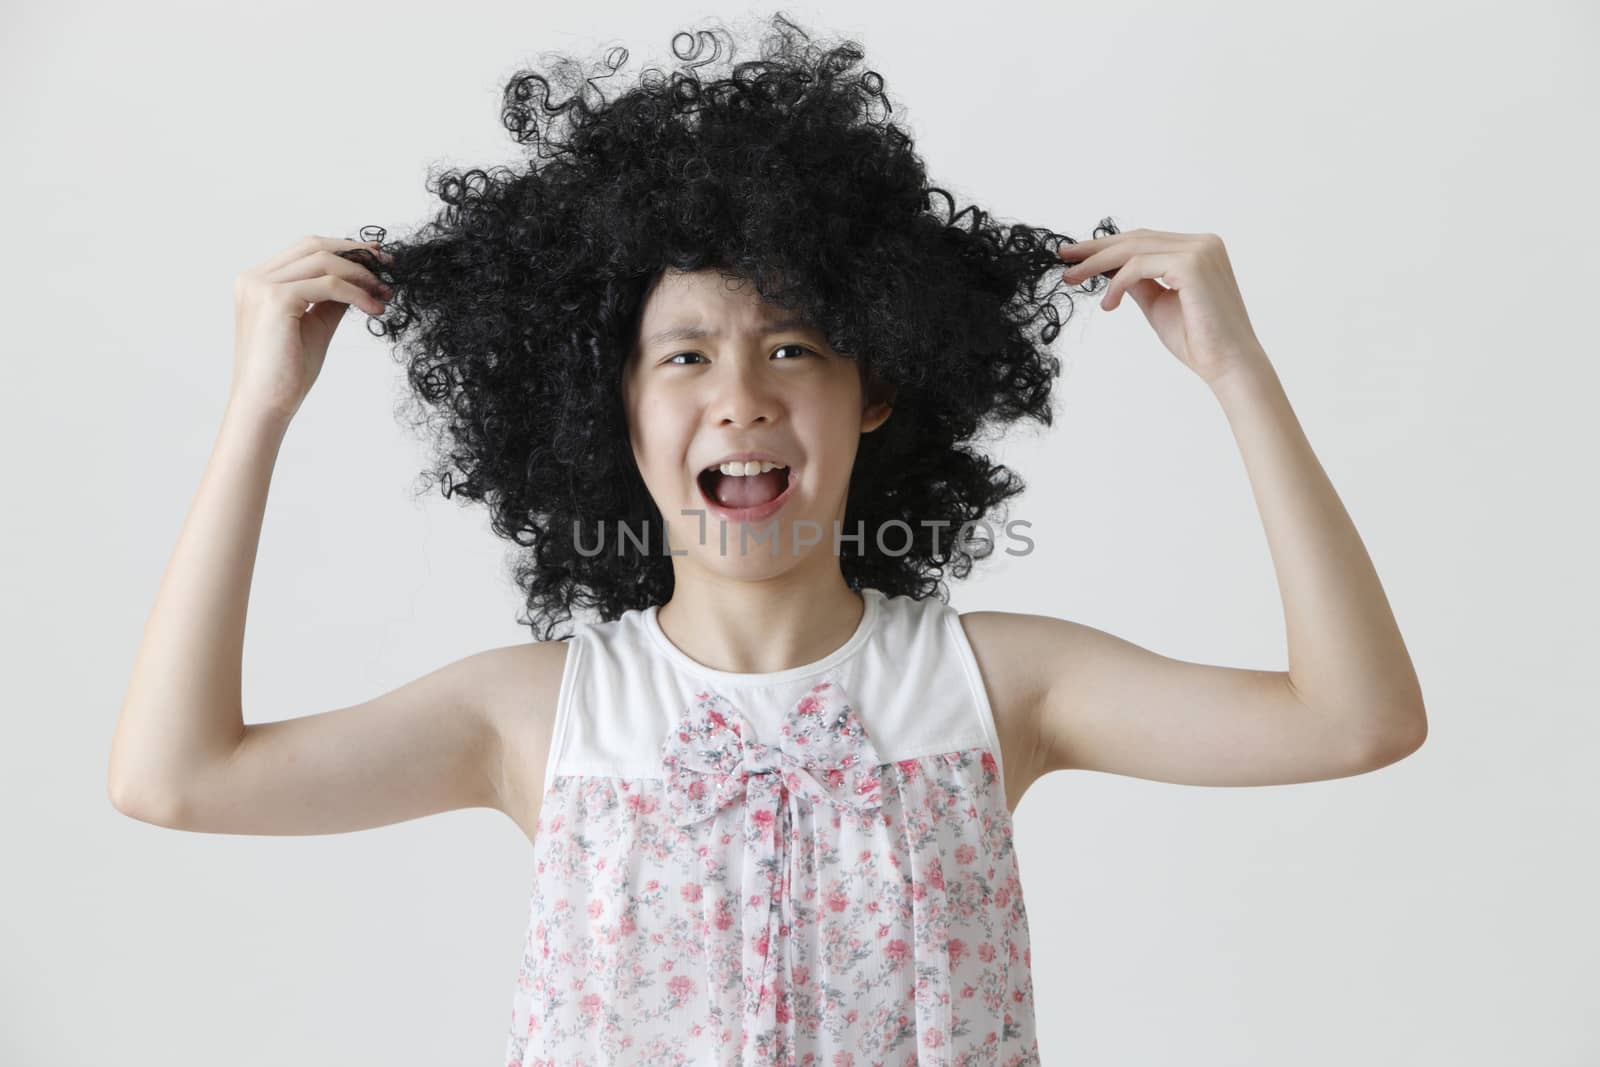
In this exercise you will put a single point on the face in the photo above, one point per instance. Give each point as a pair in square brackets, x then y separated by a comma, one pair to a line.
[718, 372]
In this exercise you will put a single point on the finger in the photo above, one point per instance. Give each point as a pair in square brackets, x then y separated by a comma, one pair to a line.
[1104, 262]
[1139, 239]
[1110, 253]
[324, 261]
[307, 245]
[1079, 249]
[306, 291]
[1151, 265]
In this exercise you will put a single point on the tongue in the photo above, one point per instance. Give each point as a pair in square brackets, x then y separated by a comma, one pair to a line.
[748, 492]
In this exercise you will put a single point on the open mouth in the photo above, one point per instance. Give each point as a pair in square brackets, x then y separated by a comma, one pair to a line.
[751, 491]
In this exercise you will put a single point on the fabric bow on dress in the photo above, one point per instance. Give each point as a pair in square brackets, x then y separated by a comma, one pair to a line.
[711, 760]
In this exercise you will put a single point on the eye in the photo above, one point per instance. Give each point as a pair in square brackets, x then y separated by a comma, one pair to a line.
[674, 359]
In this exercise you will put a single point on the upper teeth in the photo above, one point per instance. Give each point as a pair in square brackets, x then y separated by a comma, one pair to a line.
[747, 468]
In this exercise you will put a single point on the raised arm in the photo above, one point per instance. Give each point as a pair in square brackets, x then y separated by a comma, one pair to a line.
[1084, 699]
[471, 734]
[1350, 700]
[181, 755]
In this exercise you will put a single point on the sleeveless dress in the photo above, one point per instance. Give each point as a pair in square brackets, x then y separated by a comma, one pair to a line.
[803, 867]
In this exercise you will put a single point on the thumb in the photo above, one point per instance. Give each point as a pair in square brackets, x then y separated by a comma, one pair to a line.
[323, 319]
[1145, 291]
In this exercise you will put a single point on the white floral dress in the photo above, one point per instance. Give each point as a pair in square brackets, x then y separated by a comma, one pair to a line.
[810, 867]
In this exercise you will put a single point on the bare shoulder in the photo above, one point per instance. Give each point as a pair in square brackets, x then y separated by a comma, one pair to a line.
[1007, 646]
[521, 685]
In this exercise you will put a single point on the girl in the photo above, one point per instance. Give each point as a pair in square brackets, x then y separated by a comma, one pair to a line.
[716, 360]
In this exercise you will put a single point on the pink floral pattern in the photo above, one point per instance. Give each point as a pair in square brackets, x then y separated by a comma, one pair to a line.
[797, 903]
[712, 758]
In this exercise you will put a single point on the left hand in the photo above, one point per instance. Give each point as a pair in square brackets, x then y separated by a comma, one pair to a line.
[1198, 314]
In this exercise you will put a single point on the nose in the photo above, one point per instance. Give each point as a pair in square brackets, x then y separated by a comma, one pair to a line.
[742, 396]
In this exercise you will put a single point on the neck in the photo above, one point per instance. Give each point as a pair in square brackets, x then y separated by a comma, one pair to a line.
[758, 626]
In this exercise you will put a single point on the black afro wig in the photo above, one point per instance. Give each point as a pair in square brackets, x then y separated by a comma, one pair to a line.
[516, 308]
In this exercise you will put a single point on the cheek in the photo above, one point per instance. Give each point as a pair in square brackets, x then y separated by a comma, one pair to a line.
[834, 431]
[658, 434]
[636, 408]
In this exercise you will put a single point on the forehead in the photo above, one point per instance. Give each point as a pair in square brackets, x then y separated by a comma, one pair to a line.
[685, 304]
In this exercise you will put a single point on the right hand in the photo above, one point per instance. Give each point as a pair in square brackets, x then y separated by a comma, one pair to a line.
[284, 313]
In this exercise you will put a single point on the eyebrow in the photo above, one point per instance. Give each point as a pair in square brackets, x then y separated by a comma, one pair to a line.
[695, 333]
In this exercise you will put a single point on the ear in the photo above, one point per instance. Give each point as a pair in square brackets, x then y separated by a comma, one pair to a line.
[877, 406]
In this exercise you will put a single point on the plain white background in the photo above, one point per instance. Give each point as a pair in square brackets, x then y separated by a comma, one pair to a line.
[1407, 195]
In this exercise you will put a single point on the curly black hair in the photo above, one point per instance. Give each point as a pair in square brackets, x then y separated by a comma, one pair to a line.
[516, 308]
